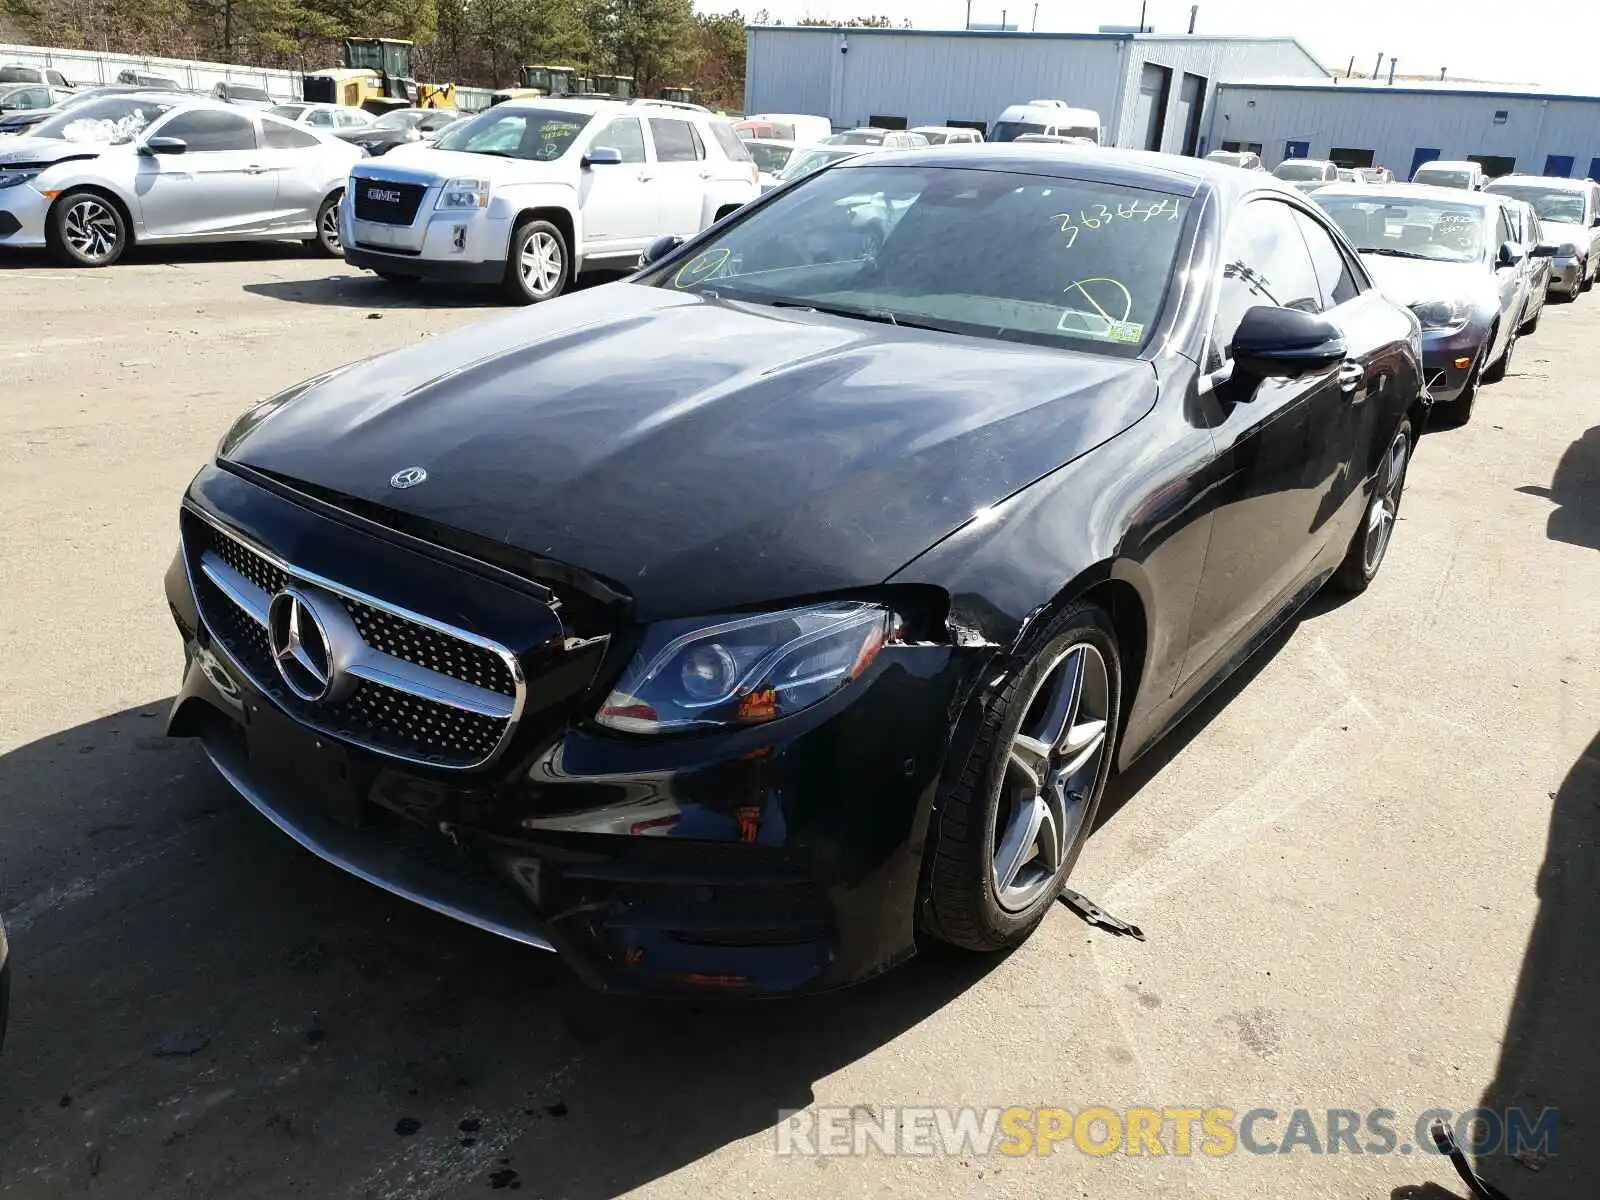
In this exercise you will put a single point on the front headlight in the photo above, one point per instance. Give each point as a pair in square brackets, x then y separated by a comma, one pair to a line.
[746, 670]
[1443, 315]
[1567, 250]
[11, 179]
[464, 193]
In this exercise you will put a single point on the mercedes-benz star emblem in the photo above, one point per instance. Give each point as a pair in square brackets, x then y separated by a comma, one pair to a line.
[299, 642]
[408, 478]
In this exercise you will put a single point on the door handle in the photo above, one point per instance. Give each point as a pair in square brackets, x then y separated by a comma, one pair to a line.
[705, 174]
[256, 170]
[646, 176]
[1351, 376]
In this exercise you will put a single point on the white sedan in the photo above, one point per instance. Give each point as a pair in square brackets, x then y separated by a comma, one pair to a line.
[158, 168]
[335, 118]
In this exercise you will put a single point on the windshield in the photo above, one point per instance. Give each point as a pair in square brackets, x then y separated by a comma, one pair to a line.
[398, 120]
[113, 119]
[1552, 204]
[543, 135]
[1410, 228]
[769, 158]
[1300, 171]
[1454, 179]
[801, 165]
[1010, 131]
[857, 137]
[237, 91]
[19, 75]
[287, 111]
[1030, 258]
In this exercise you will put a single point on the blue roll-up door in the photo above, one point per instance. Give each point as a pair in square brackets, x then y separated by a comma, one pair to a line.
[1594, 168]
[1297, 149]
[1424, 154]
[1558, 164]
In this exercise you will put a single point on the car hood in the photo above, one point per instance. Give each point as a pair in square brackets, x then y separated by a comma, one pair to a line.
[1559, 233]
[421, 162]
[26, 149]
[700, 454]
[1413, 281]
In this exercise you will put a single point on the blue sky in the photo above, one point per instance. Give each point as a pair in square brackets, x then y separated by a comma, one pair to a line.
[1470, 37]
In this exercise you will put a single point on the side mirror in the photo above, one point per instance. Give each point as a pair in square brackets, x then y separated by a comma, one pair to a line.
[1545, 250]
[163, 145]
[659, 249]
[602, 156]
[1285, 343]
[1509, 255]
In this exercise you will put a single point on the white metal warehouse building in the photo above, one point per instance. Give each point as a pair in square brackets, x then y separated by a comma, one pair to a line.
[1365, 123]
[1152, 91]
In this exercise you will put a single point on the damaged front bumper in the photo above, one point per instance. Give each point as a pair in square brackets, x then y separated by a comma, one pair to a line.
[770, 860]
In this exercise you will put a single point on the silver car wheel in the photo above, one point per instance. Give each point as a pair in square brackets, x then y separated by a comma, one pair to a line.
[1385, 507]
[543, 264]
[90, 228]
[1052, 768]
[330, 230]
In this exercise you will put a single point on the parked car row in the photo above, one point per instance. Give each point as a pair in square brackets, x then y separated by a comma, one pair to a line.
[591, 602]
[1475, 266]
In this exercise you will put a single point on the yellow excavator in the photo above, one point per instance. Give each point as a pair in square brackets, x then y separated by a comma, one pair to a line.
[376, 76]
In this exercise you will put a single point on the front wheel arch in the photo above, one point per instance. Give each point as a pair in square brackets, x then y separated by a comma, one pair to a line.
[106, 194]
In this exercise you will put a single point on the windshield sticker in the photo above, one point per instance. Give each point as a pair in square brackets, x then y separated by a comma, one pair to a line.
[701, 268]
[1130, 332]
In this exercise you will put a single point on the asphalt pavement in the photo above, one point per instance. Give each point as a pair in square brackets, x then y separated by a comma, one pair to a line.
[1366, 872]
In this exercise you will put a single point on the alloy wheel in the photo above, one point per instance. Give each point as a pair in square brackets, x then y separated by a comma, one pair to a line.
[330, 230]
[542, 265]
[1385, 507]
[1052, 769]
[90, 228]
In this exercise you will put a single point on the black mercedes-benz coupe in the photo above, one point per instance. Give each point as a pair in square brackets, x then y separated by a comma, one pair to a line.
[738, 624]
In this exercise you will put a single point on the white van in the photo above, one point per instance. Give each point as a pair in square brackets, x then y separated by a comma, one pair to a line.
[1465, 175]
[1052, 118]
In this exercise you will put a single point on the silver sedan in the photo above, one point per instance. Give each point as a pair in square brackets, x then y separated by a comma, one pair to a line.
[158, 167]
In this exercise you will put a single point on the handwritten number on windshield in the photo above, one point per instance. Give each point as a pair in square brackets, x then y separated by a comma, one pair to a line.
[1101, 215]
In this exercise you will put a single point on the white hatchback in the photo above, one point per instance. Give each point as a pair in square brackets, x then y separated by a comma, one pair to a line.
[532, 192]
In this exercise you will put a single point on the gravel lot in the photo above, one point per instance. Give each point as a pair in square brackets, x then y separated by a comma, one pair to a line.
[1367, 874]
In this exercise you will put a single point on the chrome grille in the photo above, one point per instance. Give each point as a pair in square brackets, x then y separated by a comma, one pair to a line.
[422, 692]
[431, 649]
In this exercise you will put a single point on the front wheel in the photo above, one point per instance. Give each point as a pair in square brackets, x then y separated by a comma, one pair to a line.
[1370, 544]
[1497, 372]
[1012, 827]
[536, 263]
[328, 242]
[87, 230]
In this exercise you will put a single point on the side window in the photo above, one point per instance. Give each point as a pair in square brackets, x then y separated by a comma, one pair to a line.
[1264, 262]
[286, 137]
[208, 130]
[1337, 281]
[732, 144]
[675, 140]
[322, 119]
[1503, 233]
[624, 135]
[57, 78]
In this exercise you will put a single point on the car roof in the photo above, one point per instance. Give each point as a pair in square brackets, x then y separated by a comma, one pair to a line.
[583, 104]
[1553, 182]
[1450, 164]
[1133, 168]
[1415, 191]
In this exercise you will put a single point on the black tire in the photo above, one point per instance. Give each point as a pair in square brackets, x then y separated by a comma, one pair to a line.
[328, 242]
[963, 898]
[535, 285]
[1460, 409]
[1496, 371]
[1364, 559]
[87, 229]
[1533, 325]
[1587, 279]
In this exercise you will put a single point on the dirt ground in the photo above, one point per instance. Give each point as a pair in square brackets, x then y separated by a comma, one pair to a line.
[1367, 872]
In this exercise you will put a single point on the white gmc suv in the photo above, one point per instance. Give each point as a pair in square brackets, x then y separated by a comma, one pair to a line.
[531, 192]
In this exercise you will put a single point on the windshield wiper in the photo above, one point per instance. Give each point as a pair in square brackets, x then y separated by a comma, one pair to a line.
[881, 316]
[1392, 252]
